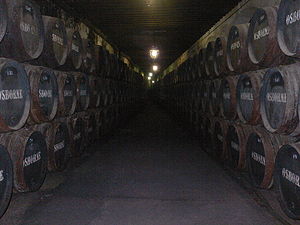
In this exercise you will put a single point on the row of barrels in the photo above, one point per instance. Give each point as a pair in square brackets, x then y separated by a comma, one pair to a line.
[271, 38]
[29, 153]
[269, 97]
[34, 94]
[270, 159]
[28, 36]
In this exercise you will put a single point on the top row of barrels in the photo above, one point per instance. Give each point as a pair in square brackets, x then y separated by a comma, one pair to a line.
[27, 36]
[271, 38]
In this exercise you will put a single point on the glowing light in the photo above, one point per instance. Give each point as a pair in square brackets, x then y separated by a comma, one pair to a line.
[153, 82]
[155, 68]
[150, 74]
[149, 78]
[154, 53]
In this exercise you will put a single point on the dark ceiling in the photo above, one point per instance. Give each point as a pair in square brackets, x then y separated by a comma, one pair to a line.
[137, 25]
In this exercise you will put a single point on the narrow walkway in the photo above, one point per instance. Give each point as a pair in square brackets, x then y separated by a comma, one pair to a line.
[149, 173]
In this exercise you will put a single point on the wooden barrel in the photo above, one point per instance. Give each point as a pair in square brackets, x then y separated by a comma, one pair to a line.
[95, 94]
[83, 91]
[14, 95]
[220, 57]
[248, 101]
[209, 60]
[89, 63]
[219, 134]
[91, 127]
[3, 19]
[75, 50]
[201, 60]
[261, 148]
[195, 70]
[6, 178]
[279, 99]
[102, 61]
[228, 98]
[214, 92]
[206, 137]
[28, 151]
[286, 175]
[24, 39]
[263, 48]
[58, 142]
[288, 25]
[76, 126]
[237, 52]
[205, 96]
[237, 135]
[56, 43]
[44, 94]
[67, 93]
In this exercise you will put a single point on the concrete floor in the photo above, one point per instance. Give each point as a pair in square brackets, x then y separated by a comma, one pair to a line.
[151, 172]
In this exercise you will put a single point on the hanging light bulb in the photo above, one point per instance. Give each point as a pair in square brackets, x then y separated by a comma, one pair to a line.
[155, 68]
[154, 53]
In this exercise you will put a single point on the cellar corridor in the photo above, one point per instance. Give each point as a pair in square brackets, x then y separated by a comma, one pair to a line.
[150, 172]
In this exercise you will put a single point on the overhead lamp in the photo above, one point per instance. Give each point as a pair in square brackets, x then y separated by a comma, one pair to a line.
[153, 82]
[154, 53]
[149, 78]
[155, 68]
[150, 74]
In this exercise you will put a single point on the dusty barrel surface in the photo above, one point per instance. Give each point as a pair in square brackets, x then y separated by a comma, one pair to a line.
[286, 174]
[209, 60]
[102, 61]
[56, 43]
[6, 179]
[261, 148]
[89, 63]
[76, 127]
[288, 26]
[214, 92]
[83, 91]
[220, 57]
[228, 98]
[58, 141]
[220, 128]
[279, 99]
[44, 93]
[24, 39]
[14, 95]
[237, 52]
[263, 47]
[28, 151]
[236, 139]
[75, 50]
[248, 97]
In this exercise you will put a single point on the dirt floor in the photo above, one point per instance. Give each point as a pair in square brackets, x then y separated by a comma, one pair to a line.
[150, 172]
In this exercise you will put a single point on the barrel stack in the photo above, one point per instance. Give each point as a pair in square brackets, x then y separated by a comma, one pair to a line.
[245, 101]
[59, 94]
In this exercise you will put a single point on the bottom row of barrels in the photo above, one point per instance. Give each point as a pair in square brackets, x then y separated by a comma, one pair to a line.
[28, 154]
[266, 157]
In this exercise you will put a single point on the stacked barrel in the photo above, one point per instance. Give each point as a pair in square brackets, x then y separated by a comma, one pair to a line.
[59, 93]
[240, 95]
